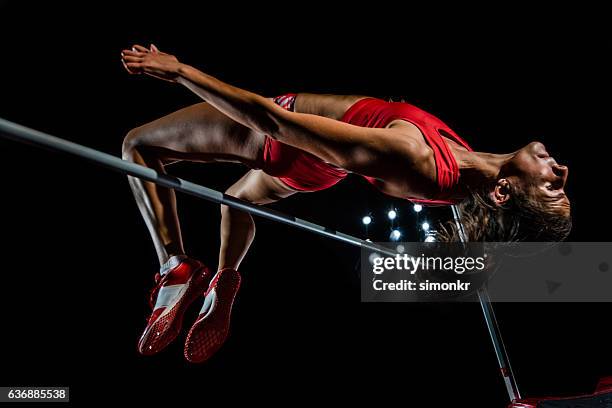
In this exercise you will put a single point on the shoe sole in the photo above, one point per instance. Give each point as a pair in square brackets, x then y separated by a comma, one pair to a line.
[210, 331]
[168, 325]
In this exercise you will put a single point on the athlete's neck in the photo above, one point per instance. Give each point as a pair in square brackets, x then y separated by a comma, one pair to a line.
[477, 168]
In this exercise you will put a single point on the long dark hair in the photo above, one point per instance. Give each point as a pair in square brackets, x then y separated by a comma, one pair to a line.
[522, 218]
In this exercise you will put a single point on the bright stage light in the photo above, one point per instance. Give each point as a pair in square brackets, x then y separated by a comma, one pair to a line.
[373, 256]
[392, 214]
[366, 220]
[425, 226]
[395, 235]
[417, 207]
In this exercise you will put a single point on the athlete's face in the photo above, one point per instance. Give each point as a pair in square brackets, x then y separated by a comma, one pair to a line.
[533, 167]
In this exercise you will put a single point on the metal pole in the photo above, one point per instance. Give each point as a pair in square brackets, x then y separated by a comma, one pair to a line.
[492, 326]
[33, 137]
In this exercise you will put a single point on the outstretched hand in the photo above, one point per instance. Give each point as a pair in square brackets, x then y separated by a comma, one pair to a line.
[153, 62]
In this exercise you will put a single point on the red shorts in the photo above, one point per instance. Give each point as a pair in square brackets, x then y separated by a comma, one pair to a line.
[295, 167]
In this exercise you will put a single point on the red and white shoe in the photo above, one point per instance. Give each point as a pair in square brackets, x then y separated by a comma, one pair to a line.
[211, 328]
[180, 281]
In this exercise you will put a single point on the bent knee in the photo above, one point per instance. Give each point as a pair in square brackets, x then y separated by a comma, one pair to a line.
[241, 193]
[131, 142]
[134, 143]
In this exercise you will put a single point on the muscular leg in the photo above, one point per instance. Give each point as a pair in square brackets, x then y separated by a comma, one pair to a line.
[196, 133]
[237, 227]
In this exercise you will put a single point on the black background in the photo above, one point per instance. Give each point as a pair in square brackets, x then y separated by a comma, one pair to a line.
[77, 262]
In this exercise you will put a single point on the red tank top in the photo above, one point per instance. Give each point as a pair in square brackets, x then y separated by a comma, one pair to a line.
[376, 113]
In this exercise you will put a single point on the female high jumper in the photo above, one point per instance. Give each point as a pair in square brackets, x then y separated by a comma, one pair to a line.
[302, 143]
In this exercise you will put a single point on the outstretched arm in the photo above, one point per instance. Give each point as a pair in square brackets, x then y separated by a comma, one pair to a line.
[375, 152]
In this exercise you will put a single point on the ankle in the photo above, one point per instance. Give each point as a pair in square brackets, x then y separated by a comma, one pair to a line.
[172, 248]
[171, 262]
